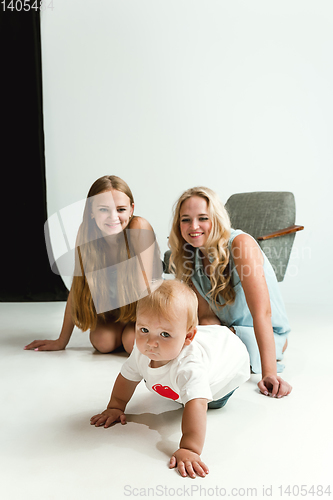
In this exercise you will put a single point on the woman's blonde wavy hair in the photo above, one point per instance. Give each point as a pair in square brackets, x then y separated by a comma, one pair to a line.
[216, 246]
[91, 250]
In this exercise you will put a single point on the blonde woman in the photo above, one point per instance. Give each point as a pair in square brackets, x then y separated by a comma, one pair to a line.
[234, 282]
[105, 275]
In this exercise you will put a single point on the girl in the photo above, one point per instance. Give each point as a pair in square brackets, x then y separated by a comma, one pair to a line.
[103, 242]
[234, 282]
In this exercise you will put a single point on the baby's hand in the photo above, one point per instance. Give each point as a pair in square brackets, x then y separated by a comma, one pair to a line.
[188, 463]
[274, 385]
[107, 417]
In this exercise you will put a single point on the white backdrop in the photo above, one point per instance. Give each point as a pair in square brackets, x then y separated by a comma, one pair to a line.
[171, 94]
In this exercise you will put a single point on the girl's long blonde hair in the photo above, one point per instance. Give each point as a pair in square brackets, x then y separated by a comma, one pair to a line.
[216, 247]
[91, 249]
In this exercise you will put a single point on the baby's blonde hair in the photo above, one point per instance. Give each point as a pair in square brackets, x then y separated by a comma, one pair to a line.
[162, 302]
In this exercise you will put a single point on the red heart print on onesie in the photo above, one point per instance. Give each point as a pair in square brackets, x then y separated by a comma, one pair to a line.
[165, 391]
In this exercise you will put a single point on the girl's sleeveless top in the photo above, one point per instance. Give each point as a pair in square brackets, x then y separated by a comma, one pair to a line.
[238, 313]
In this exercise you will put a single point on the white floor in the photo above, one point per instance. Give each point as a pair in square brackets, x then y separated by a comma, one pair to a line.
[255, 445]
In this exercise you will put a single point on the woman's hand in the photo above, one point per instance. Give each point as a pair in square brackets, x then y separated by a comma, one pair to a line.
[274, 385]
[46, 345]
[188, 463]
[108, 417]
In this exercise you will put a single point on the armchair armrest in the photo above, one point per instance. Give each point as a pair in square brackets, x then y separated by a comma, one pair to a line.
[281, 232]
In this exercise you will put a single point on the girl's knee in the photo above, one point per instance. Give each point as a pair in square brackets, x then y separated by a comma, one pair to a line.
[105, 340]
[128, 337]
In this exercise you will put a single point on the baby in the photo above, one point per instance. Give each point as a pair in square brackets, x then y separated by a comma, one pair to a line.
[198, 366]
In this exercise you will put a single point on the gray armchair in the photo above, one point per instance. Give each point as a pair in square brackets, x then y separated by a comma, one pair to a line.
[270, 218]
